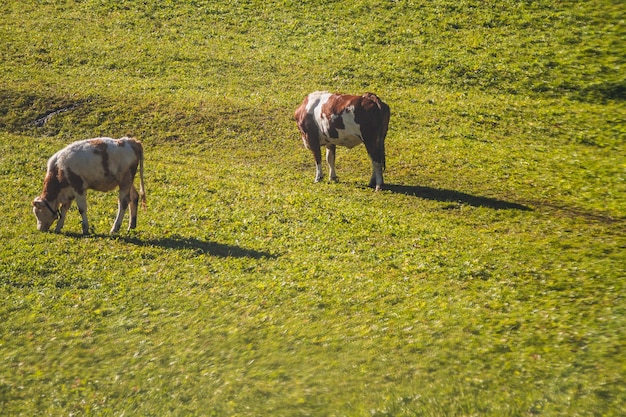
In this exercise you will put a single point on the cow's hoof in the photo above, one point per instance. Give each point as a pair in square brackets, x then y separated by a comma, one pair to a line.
[333, 179]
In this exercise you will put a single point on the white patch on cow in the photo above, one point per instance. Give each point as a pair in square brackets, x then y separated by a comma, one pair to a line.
[330, 160]
[319, 174]
[351, 135]
[316, 101]
[348, 137]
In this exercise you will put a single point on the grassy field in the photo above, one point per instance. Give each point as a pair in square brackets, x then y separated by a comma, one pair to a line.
[487, 279]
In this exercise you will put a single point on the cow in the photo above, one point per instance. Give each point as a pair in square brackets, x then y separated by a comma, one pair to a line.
[331, 120]
[99, 164]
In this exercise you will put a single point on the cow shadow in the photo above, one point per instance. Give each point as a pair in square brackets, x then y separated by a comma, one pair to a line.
[177, 242]
[452, 196]
[201, 247]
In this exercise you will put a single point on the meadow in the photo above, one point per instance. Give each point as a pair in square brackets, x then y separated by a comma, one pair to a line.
[486, 279]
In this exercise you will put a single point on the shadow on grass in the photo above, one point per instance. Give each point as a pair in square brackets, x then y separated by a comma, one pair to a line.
[438, 194]
[201, 247]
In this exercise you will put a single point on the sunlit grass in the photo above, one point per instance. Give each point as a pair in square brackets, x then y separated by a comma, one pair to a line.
[487, 279]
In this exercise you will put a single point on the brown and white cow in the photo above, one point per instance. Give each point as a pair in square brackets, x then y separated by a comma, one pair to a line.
[99, 164]
[332, 120]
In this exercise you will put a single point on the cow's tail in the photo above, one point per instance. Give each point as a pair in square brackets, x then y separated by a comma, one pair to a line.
[383, 129]
[138, 149]
[142, 189]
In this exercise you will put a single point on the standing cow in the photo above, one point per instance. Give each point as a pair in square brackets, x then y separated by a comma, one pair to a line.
[99, 164]
[332, 120]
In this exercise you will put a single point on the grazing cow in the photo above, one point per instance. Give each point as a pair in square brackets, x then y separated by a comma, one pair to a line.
[99, 164]
[331, 120]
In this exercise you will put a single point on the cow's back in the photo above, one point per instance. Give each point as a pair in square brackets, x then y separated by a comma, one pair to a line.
[100, 162]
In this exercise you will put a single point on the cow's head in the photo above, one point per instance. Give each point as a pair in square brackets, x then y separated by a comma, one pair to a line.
[45, 214]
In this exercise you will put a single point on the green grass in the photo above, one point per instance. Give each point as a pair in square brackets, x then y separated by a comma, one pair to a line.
[486, 280]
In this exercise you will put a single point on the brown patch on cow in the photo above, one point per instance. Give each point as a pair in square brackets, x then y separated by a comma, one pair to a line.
[308, 129]
[75, 181]
[337, 103]
[52, 184]
[100, 148]
[300, 112]
[333, 109]
[136, 147]
[370, 100]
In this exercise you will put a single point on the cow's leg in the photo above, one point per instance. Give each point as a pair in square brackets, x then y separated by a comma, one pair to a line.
[317, 154]
[376, 152]
[122, 203]
[330, 159]
[134, 203]
[311, 141]
[62, 214]
[81, 202]
[377, 175]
